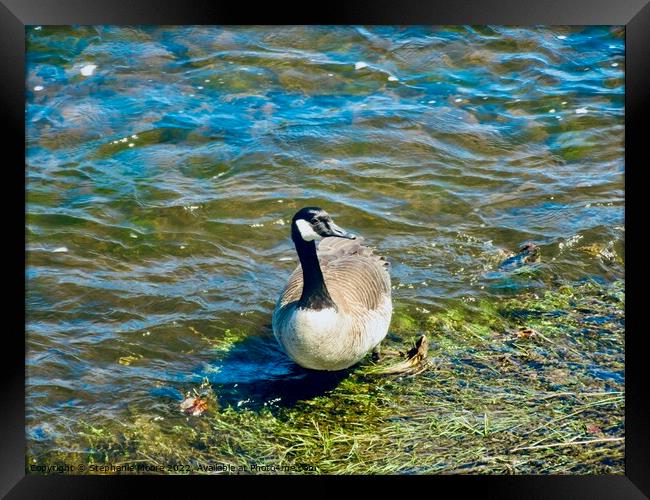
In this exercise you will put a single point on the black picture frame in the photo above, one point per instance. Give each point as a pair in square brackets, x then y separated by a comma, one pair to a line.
[634, 14]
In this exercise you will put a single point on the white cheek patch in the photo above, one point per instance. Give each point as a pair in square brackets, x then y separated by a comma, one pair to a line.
[306, 231]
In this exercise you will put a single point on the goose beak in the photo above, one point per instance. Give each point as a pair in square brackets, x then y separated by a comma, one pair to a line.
[339, 232]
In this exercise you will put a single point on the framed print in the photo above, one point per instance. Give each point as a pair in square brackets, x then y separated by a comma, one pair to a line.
[376, 242]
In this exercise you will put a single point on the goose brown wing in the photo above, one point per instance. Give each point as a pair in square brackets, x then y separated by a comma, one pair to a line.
[357, 282]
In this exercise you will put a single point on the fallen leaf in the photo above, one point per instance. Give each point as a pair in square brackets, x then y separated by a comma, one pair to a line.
[525, 333]
[194, 406]
[594, 429]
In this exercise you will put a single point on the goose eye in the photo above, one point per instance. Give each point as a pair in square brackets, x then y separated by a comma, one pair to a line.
[323, 222]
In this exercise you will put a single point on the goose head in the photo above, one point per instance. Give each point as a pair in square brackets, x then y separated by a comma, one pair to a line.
[313, 223]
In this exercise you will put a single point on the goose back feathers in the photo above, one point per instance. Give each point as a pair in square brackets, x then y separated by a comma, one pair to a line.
[356, 278]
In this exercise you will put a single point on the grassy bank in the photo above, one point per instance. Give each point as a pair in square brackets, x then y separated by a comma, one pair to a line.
[525, 385]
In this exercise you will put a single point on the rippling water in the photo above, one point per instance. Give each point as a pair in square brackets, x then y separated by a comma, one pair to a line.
[164, 165]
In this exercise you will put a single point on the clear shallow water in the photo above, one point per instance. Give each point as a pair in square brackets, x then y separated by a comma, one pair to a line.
[164, 165]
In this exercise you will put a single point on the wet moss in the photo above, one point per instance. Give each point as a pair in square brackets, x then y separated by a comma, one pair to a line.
[403, 323]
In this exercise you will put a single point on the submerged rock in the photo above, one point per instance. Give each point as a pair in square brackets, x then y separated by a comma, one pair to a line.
[526, 254]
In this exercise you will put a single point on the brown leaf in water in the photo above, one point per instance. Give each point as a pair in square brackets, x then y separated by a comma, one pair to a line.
[594, 429]
[525, 333]
[194, 406]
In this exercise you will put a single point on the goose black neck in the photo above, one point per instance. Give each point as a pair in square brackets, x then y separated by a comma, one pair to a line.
[314, 292]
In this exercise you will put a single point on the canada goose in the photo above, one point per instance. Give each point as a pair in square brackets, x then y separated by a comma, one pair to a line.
[341, 309]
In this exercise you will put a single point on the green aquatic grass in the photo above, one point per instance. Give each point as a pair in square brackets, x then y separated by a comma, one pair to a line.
[495, 401]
